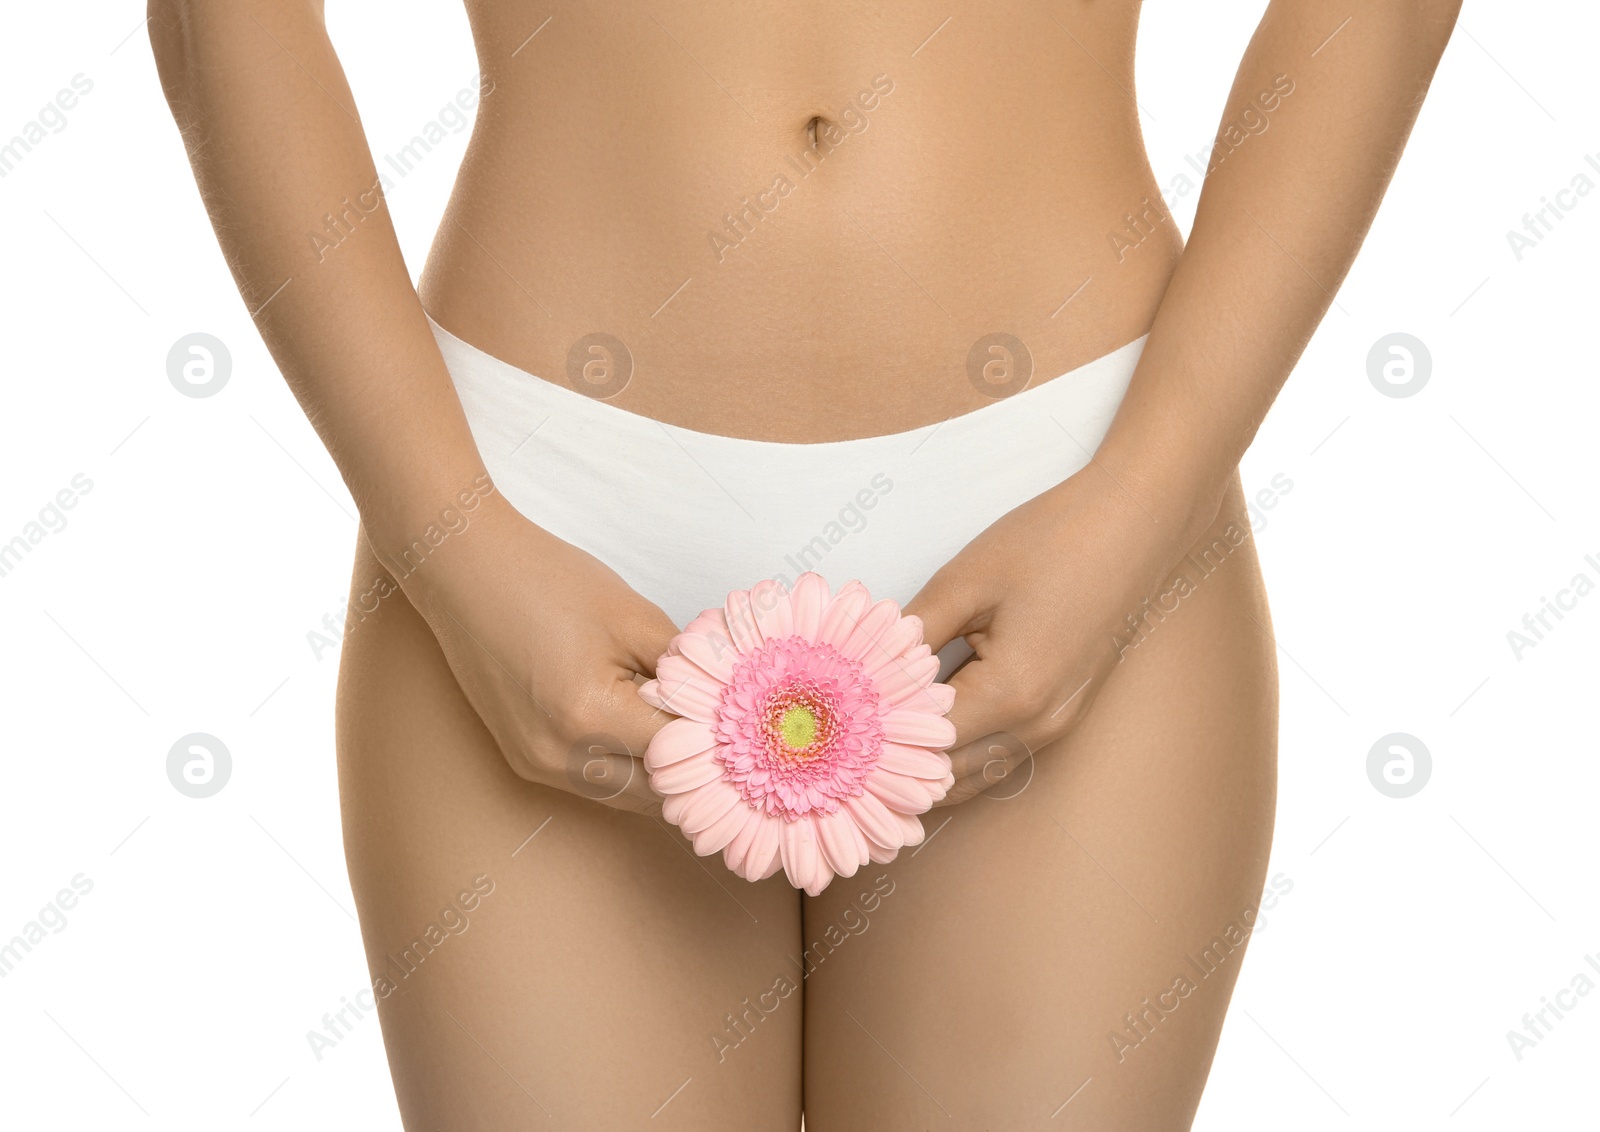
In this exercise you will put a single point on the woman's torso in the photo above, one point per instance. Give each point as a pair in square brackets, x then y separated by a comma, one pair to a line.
[977, 179]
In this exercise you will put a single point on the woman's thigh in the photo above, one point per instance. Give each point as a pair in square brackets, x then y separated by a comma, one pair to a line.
[541, 960]
[1060, 954]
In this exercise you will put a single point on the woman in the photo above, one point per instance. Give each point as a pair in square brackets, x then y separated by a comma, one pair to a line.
[725, 293]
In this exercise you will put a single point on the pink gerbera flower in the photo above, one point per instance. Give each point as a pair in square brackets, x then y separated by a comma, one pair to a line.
[811, 731]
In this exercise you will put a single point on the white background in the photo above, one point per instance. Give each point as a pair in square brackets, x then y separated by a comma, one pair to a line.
[178, 598]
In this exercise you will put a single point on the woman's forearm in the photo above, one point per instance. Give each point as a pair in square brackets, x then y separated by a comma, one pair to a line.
[1281, 217]
[286, 174]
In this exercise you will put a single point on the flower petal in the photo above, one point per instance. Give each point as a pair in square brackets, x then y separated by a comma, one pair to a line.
[677, 805]
[876, 821]
[739, 848]
[863, 847]
[678, 740]
[712, 653]
[709, 621]
[882, 854]
[842, 851]
[903, 683]
[766, 854]
[688, 774]
[907, 795]
[773, 610]
[716, 836]
[708, 803]
[918, 729]
[844, 613]
[912, 826]
[684, 689]
[903, 636]
[801, 854]
[809, 599]
[913, 762]
[943, 696]
[866, 639]
[742, 622]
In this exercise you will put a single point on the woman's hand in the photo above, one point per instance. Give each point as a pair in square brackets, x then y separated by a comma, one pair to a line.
[546, 641]
[1049, 597]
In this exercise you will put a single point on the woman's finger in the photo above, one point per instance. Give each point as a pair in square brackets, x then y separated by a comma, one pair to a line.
[600, 768]
[993, 758]
[994, 761]
[985, 700]
[947, 608]
[645, 638]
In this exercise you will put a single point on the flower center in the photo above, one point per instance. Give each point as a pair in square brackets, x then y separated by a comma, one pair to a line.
[798, 727]
[802, 721]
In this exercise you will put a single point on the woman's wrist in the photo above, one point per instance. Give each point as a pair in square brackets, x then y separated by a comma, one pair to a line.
[1178, 493]
[1143, 514]
[415, 527]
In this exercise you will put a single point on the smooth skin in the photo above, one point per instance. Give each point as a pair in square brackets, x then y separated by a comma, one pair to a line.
[609, 979]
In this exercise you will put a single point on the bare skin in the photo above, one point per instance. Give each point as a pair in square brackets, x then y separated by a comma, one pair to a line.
[608, 978]
[595, 975]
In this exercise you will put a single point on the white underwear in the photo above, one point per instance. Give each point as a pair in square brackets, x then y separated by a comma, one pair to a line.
[684, 516]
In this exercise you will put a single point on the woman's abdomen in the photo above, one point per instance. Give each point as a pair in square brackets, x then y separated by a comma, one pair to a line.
[804, 226]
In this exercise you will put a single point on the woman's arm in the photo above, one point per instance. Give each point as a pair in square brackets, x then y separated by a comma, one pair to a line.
[1044, 594]
[277, 149]
[1281, 217]
[286, 174]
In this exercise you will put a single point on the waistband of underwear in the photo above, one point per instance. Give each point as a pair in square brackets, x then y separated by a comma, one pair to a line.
[489, 378]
